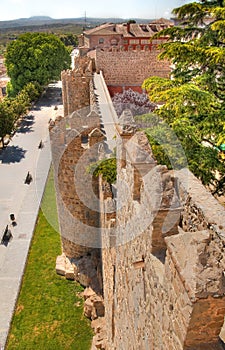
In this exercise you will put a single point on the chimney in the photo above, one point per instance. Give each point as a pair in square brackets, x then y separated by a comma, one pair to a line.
[128, 27]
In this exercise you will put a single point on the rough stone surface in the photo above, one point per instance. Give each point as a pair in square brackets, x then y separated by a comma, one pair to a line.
[162, 261]
[88, 292]
[99, 340]
[69, 272]
[76, 85]
[130, 67]
[94, 307]
[163, 287]
[75, 187]
[61, 265]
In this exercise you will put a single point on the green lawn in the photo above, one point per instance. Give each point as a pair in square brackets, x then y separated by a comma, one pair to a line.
[49, 311]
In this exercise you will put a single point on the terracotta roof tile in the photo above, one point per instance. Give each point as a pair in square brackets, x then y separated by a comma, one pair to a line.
[136, 30]
[104, 29]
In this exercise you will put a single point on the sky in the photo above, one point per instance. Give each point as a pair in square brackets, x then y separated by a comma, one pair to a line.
[14, 9]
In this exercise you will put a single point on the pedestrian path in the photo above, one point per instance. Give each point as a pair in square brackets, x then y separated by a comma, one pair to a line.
[23, 200]
[108, 115]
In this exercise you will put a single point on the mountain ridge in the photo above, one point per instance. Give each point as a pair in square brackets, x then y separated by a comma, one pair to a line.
[41, 20]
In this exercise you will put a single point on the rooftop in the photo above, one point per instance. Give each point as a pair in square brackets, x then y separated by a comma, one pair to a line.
[132, 29]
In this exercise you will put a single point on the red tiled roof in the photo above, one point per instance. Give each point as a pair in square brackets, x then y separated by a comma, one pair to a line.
[131, 30]
[104, 29]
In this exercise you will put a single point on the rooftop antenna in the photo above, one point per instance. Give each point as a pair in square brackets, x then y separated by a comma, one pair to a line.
[85, 20]
[155, 10]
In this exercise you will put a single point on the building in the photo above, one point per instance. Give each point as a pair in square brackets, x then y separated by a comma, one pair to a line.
[126, 36]
[125, 54]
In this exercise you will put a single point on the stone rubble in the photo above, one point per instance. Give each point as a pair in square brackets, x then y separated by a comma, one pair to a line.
[83, 270]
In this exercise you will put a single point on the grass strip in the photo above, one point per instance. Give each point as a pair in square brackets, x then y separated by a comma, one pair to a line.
[49, 310]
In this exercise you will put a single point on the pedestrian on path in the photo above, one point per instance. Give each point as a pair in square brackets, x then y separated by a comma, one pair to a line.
[41, 145]
[28, 178]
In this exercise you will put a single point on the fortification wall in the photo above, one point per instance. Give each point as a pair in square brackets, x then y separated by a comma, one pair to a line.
[76, 85]
[121, 68]
[163, 287]
[71, 139]
[162, 240]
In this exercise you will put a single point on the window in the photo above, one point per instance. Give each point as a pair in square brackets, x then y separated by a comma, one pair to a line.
[101, 41]
[144, 28]
[145, 41]
[134, 41]
[113, 42]
[84, 141]
[153, 28]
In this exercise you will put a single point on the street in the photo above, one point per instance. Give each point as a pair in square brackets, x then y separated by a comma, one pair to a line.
[23, 155]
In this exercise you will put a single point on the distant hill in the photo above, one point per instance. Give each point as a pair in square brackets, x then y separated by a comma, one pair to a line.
[40, 18]
[45, 20]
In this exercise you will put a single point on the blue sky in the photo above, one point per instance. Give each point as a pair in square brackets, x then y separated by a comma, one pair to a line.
[13, 9]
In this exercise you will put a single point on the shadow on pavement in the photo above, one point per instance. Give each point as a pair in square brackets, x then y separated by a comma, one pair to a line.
[26, 125]
[52, 96]
[35, 108]
[29, 117]
[12, 154]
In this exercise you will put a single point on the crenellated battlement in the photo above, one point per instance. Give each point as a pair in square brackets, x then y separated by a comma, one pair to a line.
[76, 85]
[167, 284]
[161, 233]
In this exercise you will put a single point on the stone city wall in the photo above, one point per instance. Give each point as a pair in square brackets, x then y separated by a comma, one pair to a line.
[121, 68]
[71, 139]
[162, 237]
[163, 287]
[76, 85]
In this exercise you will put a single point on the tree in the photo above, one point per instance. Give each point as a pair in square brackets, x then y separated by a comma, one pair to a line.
[69, 39]
[35, 57]
[20, 104]
[33, 90]
[12, 108]
[7, 120]
[193, 101]
[106, 167]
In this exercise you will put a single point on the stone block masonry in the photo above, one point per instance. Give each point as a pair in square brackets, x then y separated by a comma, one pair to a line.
[76, 85]
[164, 288]
[71, 138]
[163, 239]
[122, 68]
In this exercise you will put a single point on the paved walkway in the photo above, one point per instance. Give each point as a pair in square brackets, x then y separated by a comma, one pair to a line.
[23, 200]
[107, 112]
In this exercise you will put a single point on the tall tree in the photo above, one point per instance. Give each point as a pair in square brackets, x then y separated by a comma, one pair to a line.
[7, 120]
[20, 104]
[194, 99]
[12, 108]
[35, 57]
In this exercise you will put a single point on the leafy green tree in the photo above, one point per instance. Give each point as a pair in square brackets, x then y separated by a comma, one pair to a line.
[106, 167]
[35, 57]
[7, 120]
[193, 98]
[33, 90]
[69, 39]
[21, 104]
[11, 109]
